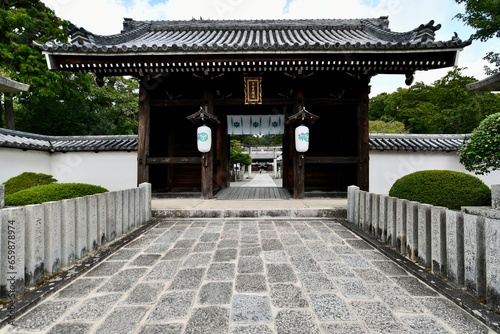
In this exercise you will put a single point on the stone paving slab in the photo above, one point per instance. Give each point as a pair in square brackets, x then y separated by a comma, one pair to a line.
[244, 277]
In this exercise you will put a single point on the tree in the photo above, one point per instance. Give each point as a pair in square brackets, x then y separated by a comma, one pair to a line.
[484, 16]
[387, 127]
[446, 106]
[21, 23]
[237, 155]
[481, 152]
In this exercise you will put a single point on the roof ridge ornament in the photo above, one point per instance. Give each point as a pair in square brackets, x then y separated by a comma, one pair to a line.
[426, 32]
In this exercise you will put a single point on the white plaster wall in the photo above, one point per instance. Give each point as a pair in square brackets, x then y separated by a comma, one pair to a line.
[111, 170]
[15, 161]
[388, 166]
[118, 170]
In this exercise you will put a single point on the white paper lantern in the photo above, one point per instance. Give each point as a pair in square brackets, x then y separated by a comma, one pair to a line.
[301, 138]
[204, 139]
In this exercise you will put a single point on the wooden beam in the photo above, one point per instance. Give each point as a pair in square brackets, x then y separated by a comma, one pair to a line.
[239, 102]
[173, 160]
[332, 160]
[143, 135]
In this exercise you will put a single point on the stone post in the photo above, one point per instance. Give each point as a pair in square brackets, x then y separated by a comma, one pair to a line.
[424, 235]
[35, 239]
[125, 211]
[412, 230]
[362, 210]
[351, 203]
[81, 228]
[147, 204]
[474, 254]
[102, 217]
[368, 212]
[401, 225]
[391, 221]
[492, 236]
[495, 196]
[382, 218]
[2, 196]
[12, 225]
[110, 216]
[52, 237]
[119, 212]
[68, 231]
[455, 246]
[438, 240]
[91, 223]
[374, 222]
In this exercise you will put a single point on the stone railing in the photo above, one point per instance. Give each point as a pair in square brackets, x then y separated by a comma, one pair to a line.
[462, 247]
[38, 241]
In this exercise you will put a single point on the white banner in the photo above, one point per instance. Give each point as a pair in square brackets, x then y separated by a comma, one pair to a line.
[255, 124]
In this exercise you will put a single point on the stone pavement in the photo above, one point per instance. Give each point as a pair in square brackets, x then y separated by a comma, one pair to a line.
[247, 276]
[260, 180]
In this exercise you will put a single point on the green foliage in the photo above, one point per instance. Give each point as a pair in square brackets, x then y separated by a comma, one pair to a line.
[447, 106]
[57, 103]
[387, 127]
[27, 180]
[82, 108]
[237, 155]
[265, 140]
[484, 16]
[52, 192]
[481, 152]
[442, 188]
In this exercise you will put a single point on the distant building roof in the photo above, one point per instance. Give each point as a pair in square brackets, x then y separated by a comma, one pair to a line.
[378, 142]
[491, 83]
[11, 86]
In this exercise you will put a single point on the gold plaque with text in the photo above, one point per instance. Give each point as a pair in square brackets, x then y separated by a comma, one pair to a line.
[253, 90]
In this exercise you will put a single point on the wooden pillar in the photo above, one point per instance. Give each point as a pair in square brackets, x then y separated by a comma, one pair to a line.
[222, 155]
[298, 158]
[363, 135]
[143, 136]
[207, 162]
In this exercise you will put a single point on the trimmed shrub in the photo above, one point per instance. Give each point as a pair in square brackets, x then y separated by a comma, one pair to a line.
[27, 180]
[445, 188]
[52, 192]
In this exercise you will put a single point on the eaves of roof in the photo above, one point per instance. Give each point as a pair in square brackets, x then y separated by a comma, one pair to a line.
[249, 36]
[377, 142]
[30, 141]
[417, 142]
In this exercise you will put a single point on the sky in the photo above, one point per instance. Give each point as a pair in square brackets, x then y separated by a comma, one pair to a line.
[105, 17]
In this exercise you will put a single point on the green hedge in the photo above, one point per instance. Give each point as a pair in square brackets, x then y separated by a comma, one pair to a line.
[27, 180]
[52, 192]
[445, 188]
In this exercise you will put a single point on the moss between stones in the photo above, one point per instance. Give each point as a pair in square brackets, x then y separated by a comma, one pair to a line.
[445, 188]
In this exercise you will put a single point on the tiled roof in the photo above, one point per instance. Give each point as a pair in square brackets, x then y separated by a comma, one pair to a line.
[378, 142]
[416, 142]
[254, 45]
[253, 35]
[30, 141]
